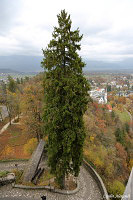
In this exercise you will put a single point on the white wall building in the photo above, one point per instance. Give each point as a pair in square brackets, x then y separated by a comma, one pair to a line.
[99, 95]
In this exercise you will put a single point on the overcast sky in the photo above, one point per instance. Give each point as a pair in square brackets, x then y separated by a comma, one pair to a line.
[26, 26]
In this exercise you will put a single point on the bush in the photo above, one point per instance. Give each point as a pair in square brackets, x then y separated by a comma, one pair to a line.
[3, 174]
[8, 152]
[117, 188]
[109, 170]
[18, 176]
[30, 146]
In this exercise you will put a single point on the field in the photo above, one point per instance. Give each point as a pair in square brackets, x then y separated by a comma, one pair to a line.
[124, 116]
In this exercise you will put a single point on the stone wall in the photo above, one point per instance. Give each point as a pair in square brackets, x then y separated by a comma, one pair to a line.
[8, 179]
[33, 163]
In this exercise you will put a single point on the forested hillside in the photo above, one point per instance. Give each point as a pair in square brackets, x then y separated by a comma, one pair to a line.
[108, 143]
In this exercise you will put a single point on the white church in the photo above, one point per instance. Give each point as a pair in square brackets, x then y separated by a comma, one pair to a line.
[99, 95]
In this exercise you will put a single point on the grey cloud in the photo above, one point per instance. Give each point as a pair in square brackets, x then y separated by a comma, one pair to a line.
[8, 14]
[93, 30]
[125, 36]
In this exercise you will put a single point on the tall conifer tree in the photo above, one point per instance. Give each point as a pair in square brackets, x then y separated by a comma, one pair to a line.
[66, 98]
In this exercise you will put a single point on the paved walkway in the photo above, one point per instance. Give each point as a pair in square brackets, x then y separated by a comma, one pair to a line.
[6, 126]
[88, 188]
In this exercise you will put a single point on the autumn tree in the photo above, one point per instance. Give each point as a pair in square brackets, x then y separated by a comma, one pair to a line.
[66, 91]
[12, 103]
[31, 105]
[2, 92]
[30, 146]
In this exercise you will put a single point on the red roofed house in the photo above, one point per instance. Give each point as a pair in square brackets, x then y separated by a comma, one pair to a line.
[109, 107]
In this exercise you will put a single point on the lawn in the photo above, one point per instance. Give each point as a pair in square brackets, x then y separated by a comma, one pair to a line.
[12, 143]
[3, 173]
[124, 116]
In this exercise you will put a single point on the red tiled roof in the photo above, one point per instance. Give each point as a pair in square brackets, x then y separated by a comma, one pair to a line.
[109, 107]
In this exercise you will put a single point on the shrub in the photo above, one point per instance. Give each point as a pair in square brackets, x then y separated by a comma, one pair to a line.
[130, 164]
[8, 152]
[30, 146]
[18, 176]
[117, 188]
[109, 170]
[3, 174]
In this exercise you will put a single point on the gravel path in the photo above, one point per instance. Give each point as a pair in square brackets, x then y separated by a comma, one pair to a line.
[11, 165]
[6, 125]
[88, 188]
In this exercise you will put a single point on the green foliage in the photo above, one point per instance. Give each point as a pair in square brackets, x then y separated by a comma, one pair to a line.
[108, 88]
[21, 81]
[30, 146]
[18, 176]
[120, 136]
[66, 91]
[9, 160]
[18, 81]
[127, 128]
[13, 104]
[113, 114]
[116, 188]
[27, 78]
[109, 170]
[124, 116]
[3, 174]
[11, 84]
[2, 92]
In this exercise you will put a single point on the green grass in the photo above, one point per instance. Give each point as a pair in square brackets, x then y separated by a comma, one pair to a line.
[13, 160]
[3, 174]
[124, 116]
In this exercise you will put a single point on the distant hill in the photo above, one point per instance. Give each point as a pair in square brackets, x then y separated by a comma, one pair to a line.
[7, 71]
[120, 66]
[33, 64]
[21, 63]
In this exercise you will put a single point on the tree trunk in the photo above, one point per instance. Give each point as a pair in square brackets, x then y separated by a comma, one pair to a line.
[18, 117]
[63, 181]
[1, 116]
[10, 119]
[38, 137]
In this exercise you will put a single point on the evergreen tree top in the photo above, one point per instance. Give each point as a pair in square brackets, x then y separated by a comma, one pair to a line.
[62, 51]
